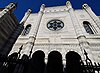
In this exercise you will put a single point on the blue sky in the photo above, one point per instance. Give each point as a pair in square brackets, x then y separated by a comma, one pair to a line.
[23, 5]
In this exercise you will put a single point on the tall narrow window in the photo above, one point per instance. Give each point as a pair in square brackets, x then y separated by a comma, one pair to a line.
[27, 29]
[87, 27]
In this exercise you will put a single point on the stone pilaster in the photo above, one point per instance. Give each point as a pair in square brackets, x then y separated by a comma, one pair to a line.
[8, 8]
[84, 45]
[27, 14]
[80, 36]
[74, 19]
[40, 14]
[32, 37]
[92, 15]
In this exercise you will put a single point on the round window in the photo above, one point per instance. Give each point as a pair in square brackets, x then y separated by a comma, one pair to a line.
[55, 25]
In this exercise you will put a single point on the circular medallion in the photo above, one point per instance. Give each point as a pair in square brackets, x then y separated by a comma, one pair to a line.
[55, 25]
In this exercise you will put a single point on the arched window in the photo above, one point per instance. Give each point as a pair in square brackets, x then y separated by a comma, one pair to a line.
[88, 27]
[27, 29]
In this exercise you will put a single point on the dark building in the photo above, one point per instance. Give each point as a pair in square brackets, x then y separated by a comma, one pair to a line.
[9, 28]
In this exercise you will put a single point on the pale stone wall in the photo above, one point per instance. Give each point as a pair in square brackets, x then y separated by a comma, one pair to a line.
[66, 39]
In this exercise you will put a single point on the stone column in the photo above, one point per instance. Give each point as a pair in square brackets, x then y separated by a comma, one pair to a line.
[27, 14]
[92, 14]
[74, 19]
[84, 45]
[4, 15]
[80, 36]
[8, 8]
[32, 37]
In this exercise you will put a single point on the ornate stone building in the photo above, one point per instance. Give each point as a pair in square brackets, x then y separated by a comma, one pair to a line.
[54, 40]
[63, 29]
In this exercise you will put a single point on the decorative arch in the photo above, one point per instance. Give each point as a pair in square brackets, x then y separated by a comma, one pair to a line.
[88, 27]
[26, 30]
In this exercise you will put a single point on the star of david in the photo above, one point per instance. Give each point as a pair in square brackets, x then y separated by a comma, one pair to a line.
[55, 25]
